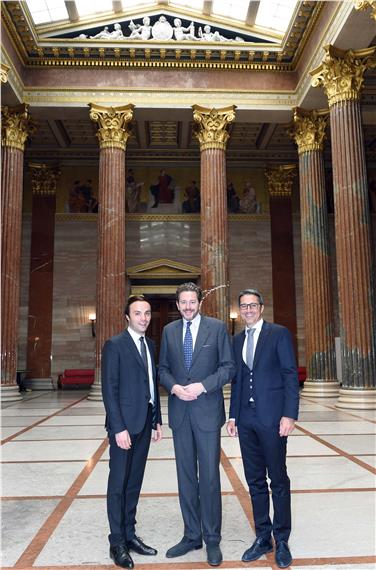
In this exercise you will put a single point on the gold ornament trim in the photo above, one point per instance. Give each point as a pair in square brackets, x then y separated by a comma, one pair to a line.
[70, 217]
[308, 130]
[211, 130]
[280, 180]
[43, 179]
[341, 73]
[4, 73]
[365, 4]
[113, 130]
[16, 126]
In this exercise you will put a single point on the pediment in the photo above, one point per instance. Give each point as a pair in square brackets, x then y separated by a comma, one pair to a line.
[161, 26]
[164, 269]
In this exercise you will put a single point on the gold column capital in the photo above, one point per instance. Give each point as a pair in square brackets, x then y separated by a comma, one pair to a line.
[16, 126]
[113, 129]
[280, 180]
[364, 5]
[341, 73]
[212, 126]
[308, 129]
[43, 179]
[4, 72]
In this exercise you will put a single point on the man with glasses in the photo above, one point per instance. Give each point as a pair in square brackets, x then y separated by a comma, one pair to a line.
[263, 409]
[195, 362]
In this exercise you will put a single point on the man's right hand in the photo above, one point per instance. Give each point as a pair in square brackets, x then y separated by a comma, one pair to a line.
[232, 430]
[180, 392]
[123, 439]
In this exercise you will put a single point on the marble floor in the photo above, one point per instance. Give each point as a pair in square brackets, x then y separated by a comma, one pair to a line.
[54, 472]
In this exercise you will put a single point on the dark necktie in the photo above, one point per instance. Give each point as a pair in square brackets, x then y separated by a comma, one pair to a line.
[250, 346]
[143, 353]
[188, 346]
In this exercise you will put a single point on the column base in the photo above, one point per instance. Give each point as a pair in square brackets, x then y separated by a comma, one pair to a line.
[42, 384]
[356, 399]
[10, 393]
[95, 394]
[227, 391]
[320, 389]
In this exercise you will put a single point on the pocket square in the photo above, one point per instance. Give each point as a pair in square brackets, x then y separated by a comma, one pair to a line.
[206, 345]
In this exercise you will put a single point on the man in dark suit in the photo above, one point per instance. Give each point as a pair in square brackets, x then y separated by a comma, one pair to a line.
[264, 407]
[130, 396]
[195, 362]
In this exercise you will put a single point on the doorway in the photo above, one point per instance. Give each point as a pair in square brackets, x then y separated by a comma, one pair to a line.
[163, 311]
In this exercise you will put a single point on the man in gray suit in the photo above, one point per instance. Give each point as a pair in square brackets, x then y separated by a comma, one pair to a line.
[195, 362]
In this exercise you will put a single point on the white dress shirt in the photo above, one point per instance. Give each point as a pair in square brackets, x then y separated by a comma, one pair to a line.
[256, 335]
[136, 338]
[194, 328]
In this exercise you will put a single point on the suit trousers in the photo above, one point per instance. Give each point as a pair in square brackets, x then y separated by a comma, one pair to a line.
[197, 455]
[127, 467]
[264, 453]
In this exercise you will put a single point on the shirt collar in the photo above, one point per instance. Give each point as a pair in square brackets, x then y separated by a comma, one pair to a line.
[135, 335]
[257, 326]
[195, 321]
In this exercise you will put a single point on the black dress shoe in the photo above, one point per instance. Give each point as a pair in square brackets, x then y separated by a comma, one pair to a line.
[121, 557]
[136, 545]
[214, 554]
[259, 547]
[184, 546]
[283, 556]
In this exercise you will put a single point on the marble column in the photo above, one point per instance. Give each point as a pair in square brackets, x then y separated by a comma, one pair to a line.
[280, 180]
[309, 135]
[113, 133]
[341, 75]
[211, 130]
[39, 337]
[16, 126]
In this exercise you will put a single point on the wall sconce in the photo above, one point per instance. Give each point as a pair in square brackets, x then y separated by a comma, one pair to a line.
[93, 320]
[233, 317]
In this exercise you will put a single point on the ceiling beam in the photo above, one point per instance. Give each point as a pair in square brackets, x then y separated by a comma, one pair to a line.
[117, 6]
[252, 12]
[58, 129]
[265, 135]
[72, 10]
[207, 7]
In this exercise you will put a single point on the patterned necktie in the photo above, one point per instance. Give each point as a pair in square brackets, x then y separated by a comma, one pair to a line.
[143, 352]
[250, 346]
[188, 346]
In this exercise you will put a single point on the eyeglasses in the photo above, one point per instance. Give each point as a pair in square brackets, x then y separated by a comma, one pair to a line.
[244, 306]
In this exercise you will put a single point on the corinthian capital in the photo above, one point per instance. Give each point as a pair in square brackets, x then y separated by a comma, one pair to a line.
[212, 126]
[308, 130]
[341, 73]
[113, 124]
[280, 180]
[365, 4]
[16, 126]
[43, 179]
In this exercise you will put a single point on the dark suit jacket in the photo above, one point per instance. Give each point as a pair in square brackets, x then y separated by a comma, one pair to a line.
[275, 378]
[125, 385]
[212, 364]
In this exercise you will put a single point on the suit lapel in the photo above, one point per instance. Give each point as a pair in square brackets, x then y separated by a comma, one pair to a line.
[202, 335]
[178, 339]
[133, 348]
[265, 331]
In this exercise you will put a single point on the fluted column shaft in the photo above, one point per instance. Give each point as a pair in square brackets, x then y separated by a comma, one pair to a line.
[113, 134]
[212, 134]
[353, 245]
[341, 75]
[309, 134]
[214, 233]
[15, 128]
[39, 338]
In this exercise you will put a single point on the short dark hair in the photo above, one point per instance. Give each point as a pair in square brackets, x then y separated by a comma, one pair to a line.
[189, 287]
[133, 299]
[251, 292]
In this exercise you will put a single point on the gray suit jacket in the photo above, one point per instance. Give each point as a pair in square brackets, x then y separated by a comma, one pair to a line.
[212, 364]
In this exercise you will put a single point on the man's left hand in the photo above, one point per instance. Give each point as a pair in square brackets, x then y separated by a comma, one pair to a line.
[195, 389]
[286, 425]
[157, 433]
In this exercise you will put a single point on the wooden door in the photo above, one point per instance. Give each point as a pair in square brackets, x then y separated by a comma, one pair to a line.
[164, 311]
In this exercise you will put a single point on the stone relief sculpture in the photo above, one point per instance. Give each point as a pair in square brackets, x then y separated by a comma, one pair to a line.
[161, 30]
